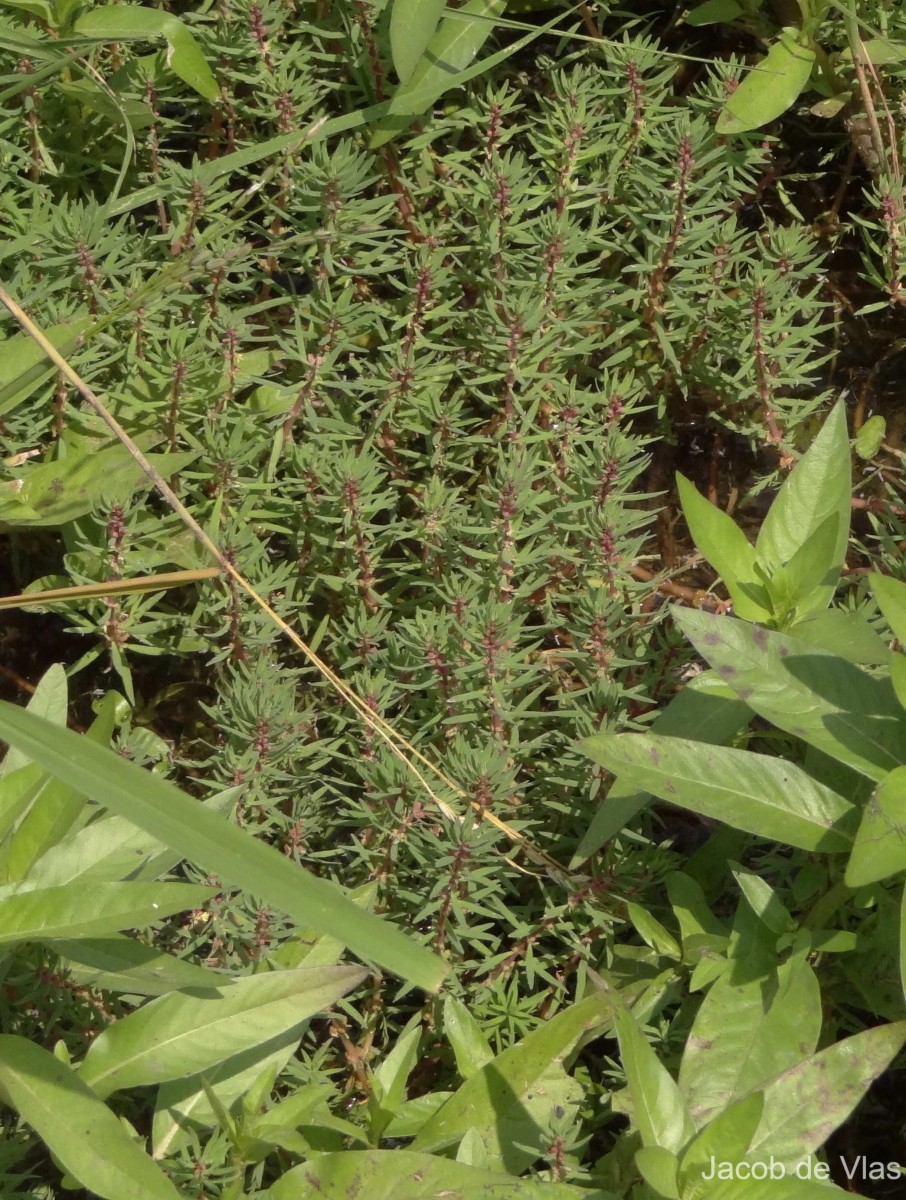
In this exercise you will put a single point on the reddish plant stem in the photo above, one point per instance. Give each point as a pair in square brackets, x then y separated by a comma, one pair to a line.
[658, 280]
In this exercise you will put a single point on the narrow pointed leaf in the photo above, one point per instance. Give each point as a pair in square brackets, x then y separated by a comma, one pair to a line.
[161, 809]
[891, 597]
[55, 809]
[78, 1128]
[448, 53]
[693, 712]
[727, 549]
[179, 1035]
[818, 489]
[51, 701]
[124, 22]
[113, 849]
[807, 581]
[658, 1108]
[24, 366]
[17, 791]
[660, 1170]
[726, 1138]
[183, 1105]
[122, 964]
[496, 1096]
[464, 1034]
[72, 910]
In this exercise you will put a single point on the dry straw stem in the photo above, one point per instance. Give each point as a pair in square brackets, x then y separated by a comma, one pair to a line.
[112, 587]
[403, 749]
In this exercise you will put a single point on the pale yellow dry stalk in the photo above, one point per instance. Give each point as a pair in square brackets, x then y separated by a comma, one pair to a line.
[399, 745]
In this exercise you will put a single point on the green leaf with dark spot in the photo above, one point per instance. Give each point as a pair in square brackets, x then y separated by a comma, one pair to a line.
[408, 1175]
[820, 697]
[53, 493]
[806, 1103]
[880, 847]
[763, 795]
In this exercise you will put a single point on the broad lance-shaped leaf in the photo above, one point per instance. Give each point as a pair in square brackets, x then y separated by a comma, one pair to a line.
[880, 847]
[111, 849]
[897, 663]
[771, 87]
[726, 1138]
[449, 51]
[54, 811]
[804, 1105]
[659, 1111]
[817, 491]
[494, 1100]
[184, 1104]
[791, 1187]
[121, 964]
[806, 583]
[125, 22]
[820, 697]
[72, 910]
[746, 1033]
[178, 1034]
[698, 711]
[757, 793]
[24, 366]
[218, 847]
[470, 1048]
[51, 701]
[53, 493]
[845, 633]
[660, 1170]
[412, 25]
[405, 1175]
[78, 1128]
[891, 597]
[727, 549]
